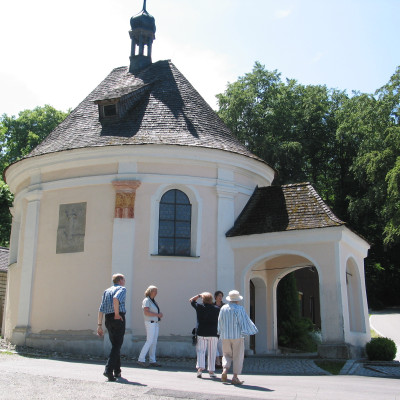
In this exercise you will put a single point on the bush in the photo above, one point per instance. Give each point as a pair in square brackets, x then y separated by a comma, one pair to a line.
[381, 349]
[294, 331]
[297, 334]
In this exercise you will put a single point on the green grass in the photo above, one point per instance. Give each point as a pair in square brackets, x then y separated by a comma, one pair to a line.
[333, 367]
[9, 353]
[374, 334]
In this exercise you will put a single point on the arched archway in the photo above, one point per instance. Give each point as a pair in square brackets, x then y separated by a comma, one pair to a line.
[259, 285]
[354, 298]
[298, 309]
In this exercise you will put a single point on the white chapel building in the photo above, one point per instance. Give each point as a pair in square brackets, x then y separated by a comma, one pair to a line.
[143, 178]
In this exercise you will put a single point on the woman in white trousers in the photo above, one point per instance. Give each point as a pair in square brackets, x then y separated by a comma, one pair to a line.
[207, 339]
[152, 317]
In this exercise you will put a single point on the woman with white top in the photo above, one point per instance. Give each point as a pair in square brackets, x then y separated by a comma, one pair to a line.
[152, 317]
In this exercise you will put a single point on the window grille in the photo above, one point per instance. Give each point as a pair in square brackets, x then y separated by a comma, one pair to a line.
[174, 229]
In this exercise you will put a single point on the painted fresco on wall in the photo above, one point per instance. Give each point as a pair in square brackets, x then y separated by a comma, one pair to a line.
[71, 228]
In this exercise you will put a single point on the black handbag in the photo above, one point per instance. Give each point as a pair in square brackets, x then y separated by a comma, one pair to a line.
[194, 336]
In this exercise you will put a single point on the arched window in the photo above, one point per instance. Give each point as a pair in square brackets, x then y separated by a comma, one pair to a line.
[174, 228]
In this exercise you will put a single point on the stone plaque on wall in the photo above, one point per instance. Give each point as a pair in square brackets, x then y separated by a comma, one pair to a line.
[71, 228]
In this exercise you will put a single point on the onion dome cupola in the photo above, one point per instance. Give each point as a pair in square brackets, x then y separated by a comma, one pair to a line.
[142, 35]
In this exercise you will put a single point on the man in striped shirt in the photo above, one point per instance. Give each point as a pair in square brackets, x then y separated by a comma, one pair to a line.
[233, 325]
[113, 307]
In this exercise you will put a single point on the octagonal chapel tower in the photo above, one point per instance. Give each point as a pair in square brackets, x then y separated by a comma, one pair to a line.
[143, 178]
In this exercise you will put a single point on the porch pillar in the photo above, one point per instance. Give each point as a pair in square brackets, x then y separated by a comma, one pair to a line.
[28, 265]
[272, 314]
[332, 296]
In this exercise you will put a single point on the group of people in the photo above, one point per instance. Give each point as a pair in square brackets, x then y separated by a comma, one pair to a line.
[220, 330]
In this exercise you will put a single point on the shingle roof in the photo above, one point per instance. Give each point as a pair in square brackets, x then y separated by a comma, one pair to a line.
[166, 110]
[4, 253]
[283, 208]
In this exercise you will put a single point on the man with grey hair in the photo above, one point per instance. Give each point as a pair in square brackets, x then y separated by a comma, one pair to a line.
[233, 325]
[113, 307]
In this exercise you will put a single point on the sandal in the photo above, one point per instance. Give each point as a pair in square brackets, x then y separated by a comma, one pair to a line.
[212, 375]
[143, 364]
[237, 381]
[199, 373]
[155, 364]
[224, 377]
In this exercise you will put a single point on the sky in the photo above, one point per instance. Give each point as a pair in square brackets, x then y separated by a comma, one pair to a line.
[57, 52]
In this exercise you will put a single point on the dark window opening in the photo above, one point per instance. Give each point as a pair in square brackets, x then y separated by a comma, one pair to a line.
[174, 229]
[110, 110]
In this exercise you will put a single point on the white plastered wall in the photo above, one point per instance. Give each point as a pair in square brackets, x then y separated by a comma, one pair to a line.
[66, 285]
[69, 286]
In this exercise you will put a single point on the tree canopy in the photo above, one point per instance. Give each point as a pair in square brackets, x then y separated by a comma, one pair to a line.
[18, 137]
[348, 147]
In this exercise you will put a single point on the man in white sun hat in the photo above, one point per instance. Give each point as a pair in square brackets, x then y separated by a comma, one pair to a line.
[233, 325]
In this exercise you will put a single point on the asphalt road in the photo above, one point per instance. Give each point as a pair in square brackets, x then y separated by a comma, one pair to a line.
[387, 323]
[33, 378]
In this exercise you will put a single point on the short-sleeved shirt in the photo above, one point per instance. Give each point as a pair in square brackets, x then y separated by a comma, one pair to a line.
[207, 318]
[234, 323]
[152, 308]
[107, 305]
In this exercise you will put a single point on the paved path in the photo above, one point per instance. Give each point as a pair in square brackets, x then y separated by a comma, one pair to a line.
[262, 365]
[387, 323]
[36, 378]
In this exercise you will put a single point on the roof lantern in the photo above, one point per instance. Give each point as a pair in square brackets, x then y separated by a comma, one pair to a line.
[142, 35]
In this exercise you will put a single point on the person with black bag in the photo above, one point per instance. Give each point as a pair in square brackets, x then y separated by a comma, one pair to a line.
[152, 317]
[207, 338]
[194, 336]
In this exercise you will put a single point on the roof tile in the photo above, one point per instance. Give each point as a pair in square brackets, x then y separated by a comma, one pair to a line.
[283, 208]
[169, 112]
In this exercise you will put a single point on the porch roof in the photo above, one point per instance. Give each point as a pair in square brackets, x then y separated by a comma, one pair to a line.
[283, 208]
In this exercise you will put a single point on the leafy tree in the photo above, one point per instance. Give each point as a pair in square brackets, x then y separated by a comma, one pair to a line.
[248, 109]
[19, 136]
[347, 147]
[373, 129]
[5, 216]
[291, 126]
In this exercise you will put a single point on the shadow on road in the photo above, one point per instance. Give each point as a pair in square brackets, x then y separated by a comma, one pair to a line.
[126, 382]
[251, 387]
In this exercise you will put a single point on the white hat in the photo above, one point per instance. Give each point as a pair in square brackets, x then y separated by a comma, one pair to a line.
[234, 295]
